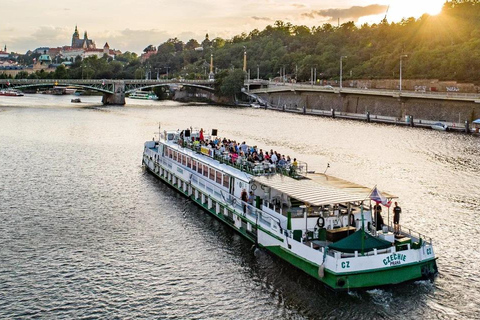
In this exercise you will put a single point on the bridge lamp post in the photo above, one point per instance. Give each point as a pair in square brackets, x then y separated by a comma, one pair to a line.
[401, 58]
[258, 72]
[341, 70]
[167, 67]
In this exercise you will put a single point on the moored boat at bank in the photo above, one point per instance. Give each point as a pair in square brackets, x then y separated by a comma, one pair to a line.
[144, 95]
[439, 126]
[11, 93]
[323, 225]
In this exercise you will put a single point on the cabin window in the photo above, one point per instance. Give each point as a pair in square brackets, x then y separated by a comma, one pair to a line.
[205, 170]
[218, 177]
[200, 168]
[189, 163]
[174, 155]
[170, 155]
[212, 174]
[184, 159]
[226, 181]
[194, 165]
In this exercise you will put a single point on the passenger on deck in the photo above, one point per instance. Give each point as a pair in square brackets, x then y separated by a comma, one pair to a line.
[282, 162]
[260, 156]
[378, 216]
[273, 157]
[396, 218]
[244, 198]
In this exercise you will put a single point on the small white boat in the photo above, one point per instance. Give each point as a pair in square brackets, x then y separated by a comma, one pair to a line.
[11, 93]
[440, 126]
[255, 105]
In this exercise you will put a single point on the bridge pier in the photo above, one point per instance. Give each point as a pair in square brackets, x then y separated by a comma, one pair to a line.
[116, 98]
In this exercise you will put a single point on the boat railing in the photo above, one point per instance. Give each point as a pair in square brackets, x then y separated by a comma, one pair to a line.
[407, 232]
[255, 169]
[244, 208]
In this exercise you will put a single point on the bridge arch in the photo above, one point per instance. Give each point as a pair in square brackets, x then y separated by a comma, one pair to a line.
[130, 88]
[106, 88]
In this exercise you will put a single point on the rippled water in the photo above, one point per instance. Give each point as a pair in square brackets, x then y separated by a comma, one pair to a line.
[85, 232]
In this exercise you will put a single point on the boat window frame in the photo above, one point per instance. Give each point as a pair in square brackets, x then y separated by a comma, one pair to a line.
[200, 168]
[205, 170]
[189, 162]
[218, 177]
[226, 180]
[211, 174]
[184, 160]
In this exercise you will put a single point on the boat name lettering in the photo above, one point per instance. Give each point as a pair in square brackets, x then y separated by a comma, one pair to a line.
[394, 259]
[429, 251]
[345, 264]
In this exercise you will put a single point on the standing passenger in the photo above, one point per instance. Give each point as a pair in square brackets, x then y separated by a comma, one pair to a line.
[396, 218]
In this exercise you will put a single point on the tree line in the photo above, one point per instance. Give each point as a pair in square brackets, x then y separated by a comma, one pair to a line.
[445, 46]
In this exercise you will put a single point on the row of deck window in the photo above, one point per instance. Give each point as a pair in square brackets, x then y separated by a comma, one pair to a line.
[208, 172]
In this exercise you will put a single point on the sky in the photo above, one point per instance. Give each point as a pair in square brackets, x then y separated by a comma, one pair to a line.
[132, 25]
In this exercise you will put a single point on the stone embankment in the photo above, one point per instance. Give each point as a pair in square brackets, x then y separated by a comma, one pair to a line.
[402, 111]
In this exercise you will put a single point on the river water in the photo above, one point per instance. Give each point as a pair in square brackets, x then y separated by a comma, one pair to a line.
[86, 232]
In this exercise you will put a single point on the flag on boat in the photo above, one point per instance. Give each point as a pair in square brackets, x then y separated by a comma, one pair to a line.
[379, 198]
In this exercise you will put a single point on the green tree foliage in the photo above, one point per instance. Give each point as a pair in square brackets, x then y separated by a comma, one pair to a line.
[446, 46]
[228, 83]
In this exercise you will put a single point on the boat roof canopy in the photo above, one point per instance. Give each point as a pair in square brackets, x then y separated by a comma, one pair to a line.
[318, 189]
[354, 243]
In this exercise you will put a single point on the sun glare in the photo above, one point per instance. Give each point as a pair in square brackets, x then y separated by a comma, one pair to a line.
[414, 8]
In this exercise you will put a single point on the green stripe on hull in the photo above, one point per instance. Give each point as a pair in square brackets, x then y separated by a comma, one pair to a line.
[359, 280]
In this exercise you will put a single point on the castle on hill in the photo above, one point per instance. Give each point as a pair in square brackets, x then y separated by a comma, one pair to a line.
[84, 43]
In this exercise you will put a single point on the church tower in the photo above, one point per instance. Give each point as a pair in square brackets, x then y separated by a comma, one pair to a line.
[106, 49]
[75, 37]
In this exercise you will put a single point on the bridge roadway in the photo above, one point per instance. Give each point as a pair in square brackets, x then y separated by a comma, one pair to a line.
[276, 87]
[113, 90]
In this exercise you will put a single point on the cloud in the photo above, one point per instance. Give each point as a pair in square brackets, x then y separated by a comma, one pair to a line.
[261, 18]
[352, 13]
[298, 5]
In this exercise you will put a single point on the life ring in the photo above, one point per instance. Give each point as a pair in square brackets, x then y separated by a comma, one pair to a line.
[320, 222]
[351, 220]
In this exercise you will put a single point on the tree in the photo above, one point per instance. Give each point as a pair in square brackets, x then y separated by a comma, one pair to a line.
[229, 83]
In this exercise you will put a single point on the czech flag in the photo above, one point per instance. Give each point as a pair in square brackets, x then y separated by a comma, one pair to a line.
[376, 196]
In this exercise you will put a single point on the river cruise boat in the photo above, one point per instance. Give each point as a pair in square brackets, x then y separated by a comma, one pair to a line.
[144, 95]
[11, 93]
[318, 223]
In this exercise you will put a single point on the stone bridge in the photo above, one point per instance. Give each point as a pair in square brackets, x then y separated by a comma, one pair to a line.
[113, 90]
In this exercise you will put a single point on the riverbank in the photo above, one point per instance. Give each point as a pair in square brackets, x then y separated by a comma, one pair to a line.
[411, 112]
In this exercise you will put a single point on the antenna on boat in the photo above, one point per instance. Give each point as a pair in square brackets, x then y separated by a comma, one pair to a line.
[328, 166]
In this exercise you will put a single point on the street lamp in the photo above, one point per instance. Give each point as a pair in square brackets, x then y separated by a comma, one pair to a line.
[341, 70]
[167, 67]
[401, 58]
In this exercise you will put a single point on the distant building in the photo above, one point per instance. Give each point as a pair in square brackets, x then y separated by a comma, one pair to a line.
[148, 52]
[4, 54]
[84, 43]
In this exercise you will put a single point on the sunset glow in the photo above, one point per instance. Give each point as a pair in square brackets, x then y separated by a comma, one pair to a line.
[414, 8]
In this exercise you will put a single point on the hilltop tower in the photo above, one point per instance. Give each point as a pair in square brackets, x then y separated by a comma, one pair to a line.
[75, 37]
[106, 49]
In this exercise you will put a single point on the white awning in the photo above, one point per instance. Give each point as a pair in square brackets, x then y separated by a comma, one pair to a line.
[317, 189]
